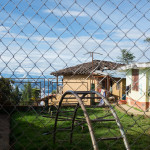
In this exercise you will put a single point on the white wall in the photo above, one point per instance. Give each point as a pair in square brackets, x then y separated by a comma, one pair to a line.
[148, 84]
[141, 94]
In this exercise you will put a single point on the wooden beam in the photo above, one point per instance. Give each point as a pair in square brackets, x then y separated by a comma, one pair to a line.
[57, 84]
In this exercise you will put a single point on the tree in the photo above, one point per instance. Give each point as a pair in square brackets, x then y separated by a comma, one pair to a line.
[16, 95]
[147, 40]
[54, 92]
[27, 93]
[6, 90]
[126, 57]
[35, 94]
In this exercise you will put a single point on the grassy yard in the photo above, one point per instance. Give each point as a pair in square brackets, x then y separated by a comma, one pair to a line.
[28, 131]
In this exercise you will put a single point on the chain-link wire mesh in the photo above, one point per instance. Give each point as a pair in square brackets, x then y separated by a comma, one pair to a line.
[74, 74]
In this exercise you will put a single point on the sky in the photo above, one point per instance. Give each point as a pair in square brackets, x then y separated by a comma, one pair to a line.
[38, 37]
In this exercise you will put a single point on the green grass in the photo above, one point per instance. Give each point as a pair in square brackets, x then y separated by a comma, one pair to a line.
[28, 128]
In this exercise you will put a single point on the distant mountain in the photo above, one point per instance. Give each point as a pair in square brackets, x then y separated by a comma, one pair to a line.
[16, 75]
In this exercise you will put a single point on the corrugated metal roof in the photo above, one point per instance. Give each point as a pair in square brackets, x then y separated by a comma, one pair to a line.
[134, 66]
[112, 73]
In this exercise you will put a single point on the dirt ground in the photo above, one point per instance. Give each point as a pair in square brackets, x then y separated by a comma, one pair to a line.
[4, 131]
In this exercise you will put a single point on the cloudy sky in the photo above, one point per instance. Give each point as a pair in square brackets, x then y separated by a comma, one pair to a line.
[41, 36]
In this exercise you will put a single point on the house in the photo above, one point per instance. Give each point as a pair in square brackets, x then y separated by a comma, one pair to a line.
[94, 75]
[138, 84]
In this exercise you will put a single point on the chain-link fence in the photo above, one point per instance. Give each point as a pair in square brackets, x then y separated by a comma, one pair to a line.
[75, 75]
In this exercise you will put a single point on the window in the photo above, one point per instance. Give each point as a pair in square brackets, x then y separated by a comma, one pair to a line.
[135, 79]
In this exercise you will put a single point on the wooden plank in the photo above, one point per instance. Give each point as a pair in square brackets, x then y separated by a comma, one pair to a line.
[61, 111]
[96, 106]
[89, 97]
[110, 138]
[104, 116]
[82, 92]
[95, 120]
[101, 120]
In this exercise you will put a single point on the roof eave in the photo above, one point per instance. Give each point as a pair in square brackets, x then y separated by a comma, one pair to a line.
[134, 66]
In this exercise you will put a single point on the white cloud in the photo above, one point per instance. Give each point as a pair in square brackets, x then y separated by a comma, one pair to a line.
[60, 49]
[4, 29]
[67, 51]
[130, 34]
[66, 13]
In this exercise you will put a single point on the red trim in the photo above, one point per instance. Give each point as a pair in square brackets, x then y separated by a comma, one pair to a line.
[122, 102]
[140, 105]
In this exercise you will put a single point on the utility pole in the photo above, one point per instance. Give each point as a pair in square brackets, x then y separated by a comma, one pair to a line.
[92, 86]
[92, 55]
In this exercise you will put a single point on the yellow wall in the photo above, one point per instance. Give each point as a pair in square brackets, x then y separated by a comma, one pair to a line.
[83, 83]
[119, 92]
[75, 83]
